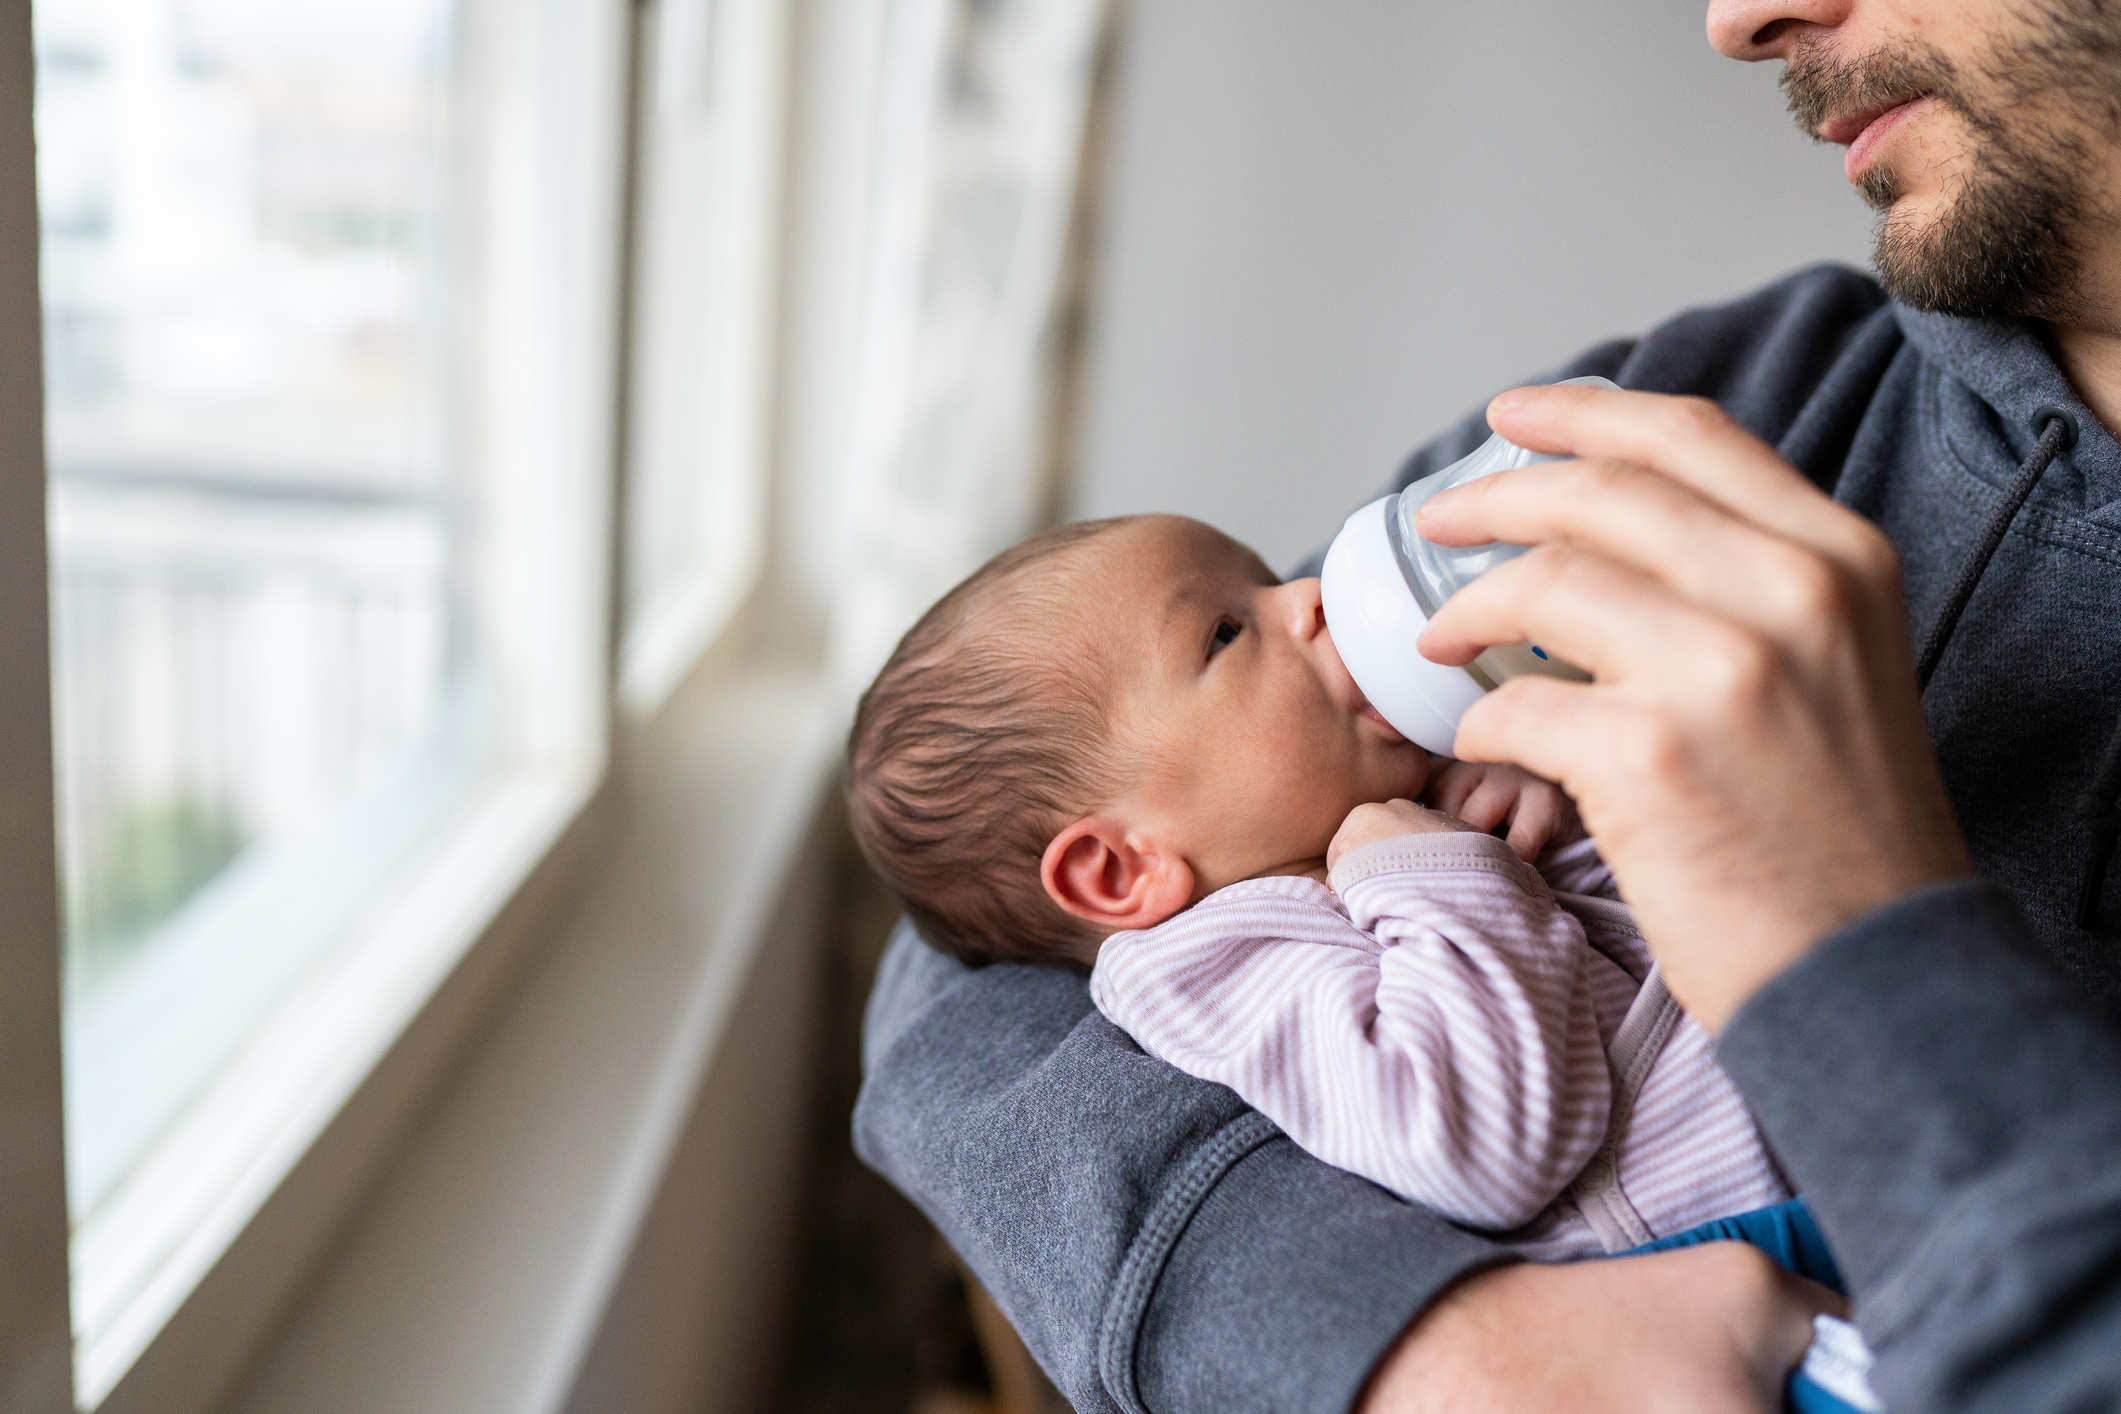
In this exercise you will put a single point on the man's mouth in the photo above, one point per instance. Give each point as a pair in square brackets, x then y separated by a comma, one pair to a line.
[1862, 132]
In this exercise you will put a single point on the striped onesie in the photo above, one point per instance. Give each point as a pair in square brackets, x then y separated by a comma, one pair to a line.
[1483, 1038]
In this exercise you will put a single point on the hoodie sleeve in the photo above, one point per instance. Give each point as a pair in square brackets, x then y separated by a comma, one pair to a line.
[1159, 1245]
[1951, 1106]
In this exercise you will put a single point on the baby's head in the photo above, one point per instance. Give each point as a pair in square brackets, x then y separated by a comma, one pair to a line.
[1102, 726]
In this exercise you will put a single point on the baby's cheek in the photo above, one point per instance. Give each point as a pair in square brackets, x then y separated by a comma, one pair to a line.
[1421, 766]
[1315, 802]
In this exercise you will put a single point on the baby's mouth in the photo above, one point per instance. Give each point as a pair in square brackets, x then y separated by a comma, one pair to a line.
[1366, 710]
[1362, 703]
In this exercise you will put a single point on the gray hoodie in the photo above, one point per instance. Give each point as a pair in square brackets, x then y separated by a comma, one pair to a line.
[1942, 1078]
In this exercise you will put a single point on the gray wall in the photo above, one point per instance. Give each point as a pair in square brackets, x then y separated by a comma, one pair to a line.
[1336, 225]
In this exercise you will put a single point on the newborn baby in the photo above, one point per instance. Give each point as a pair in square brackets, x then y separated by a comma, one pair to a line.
[1125, 745]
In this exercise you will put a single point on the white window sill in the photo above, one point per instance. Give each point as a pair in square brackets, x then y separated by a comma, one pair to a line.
[143, 1251]
[478, 1278]
[682, 624]
[185, 1270]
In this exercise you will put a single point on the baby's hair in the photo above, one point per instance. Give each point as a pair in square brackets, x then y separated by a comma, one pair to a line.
[981, 738]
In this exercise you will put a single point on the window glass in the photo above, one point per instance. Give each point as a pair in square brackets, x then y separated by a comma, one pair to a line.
[709, 124]
[266, 681]
[330, 306]
[973, 303]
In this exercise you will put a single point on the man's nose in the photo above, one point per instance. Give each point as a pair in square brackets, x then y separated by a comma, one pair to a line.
[1753, 30]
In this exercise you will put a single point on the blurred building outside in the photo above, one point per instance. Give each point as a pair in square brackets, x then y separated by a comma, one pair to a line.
[245, 224]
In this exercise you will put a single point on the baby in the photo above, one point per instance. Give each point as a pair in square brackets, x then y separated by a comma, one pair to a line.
[1125, 745]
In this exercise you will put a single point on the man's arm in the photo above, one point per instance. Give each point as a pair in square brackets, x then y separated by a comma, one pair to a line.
[1162, 1248]
[1752, 757]
[1970, 1179]
[1159, 1245]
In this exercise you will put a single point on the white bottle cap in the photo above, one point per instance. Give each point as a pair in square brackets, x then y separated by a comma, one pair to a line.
[1374, 618]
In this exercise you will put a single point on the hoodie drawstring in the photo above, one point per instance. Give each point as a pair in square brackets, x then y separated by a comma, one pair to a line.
[2057, 432]
[2100, 808]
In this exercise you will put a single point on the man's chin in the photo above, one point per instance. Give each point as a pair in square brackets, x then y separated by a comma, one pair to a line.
[1987, 243]
[1926, 260]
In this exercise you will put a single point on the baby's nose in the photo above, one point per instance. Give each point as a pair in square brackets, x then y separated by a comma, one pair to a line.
[1305, 607]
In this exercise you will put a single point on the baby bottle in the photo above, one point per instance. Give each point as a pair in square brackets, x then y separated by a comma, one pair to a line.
[1382, 582]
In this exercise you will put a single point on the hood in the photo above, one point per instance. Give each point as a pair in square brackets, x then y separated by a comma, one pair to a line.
[1997, 373]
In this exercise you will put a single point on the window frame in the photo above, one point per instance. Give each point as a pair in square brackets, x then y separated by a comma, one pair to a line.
[709, 157]
[35, 1325]
[361, 1043]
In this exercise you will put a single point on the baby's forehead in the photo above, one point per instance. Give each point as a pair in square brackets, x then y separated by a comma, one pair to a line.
[1174, 550]
[1173, 563]
[1112, 595]
[1146, 585]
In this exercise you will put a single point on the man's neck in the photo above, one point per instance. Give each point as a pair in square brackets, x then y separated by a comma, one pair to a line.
[2088, 348]
[2090, 357]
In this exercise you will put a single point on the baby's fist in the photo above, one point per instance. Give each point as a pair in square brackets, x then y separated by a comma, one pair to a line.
[1489, 795]
[1367, 824]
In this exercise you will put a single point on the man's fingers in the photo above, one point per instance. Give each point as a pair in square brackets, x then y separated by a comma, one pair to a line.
[1691, 440]
[1707, 1331]
[1609, 619]
[1819, 1300]
[1550, 727]
[1661, 528]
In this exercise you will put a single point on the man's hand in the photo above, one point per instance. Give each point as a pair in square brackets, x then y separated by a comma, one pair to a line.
[1367, 824]
[1487, 795]
[1713, 1329]
[1751, 754]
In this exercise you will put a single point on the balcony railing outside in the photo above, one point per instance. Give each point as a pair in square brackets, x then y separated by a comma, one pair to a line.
[255, 546]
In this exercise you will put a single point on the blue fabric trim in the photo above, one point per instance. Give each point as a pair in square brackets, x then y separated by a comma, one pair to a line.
[1787, 1233]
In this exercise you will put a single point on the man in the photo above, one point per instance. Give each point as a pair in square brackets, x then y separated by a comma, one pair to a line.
[1755, 762]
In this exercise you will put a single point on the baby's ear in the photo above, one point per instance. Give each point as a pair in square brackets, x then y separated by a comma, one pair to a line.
[1114, 878]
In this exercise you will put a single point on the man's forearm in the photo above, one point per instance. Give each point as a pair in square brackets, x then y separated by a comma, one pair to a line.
[1709, 1329]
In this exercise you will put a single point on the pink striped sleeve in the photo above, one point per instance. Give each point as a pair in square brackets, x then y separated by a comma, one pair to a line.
[1578, 869]
[1441, 1041]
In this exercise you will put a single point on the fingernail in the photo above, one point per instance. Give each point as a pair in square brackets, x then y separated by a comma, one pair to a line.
[1433, 518]
[1516, 397]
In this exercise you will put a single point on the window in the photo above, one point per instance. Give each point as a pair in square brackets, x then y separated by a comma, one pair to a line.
[972, 302]
[331, 316]
[329, 292]
[705, 276]
[259, 623]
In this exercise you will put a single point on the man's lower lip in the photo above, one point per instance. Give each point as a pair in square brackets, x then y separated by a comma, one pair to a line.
[1860, 150]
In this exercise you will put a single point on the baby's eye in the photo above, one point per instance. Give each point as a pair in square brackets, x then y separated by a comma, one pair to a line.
[1226, 632]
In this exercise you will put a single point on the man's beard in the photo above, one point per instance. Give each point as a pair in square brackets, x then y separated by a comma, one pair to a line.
[2006, 243]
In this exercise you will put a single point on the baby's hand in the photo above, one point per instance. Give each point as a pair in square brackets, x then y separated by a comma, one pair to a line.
[1367, 824]
[1539, 815]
